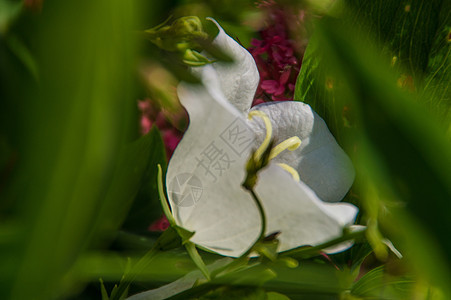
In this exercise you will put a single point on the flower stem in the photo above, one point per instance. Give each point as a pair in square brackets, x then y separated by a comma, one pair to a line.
[307, 252]
[262, 215]
[197, 259]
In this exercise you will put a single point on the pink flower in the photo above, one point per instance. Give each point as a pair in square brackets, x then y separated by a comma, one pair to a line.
[160, 224]
[276, 54]
[277, 88]
[171, 138]
[171, 135]
[146, 122]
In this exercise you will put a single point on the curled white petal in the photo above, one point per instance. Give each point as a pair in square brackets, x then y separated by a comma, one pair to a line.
[296, 211]
[238, 80]
[319, 160]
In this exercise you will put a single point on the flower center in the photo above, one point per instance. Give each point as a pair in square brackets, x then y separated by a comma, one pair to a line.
[290, 144]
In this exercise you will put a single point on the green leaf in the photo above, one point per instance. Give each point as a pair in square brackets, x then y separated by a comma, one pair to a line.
[77, 120]
[438, 78]
[230, 293]
[310, 279]
[182, 284]
[166, 239]
[23, 54]
[412, 37]
[146, 205]
[316, 85]
[377, 284]
[128, 178]
[415, 37]
[165, 267]
[9, 11]
[103, 291]
[276, 296]
[396, 142]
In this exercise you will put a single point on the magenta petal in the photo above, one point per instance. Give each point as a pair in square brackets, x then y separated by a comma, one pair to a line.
[270, 86]
[159, 225]
[284, 77]
[279, 91]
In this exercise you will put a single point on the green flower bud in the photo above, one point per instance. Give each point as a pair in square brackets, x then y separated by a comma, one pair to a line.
[195, 59]
[184, 33]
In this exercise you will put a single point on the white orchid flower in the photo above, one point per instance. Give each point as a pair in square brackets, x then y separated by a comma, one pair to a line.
[207, 169]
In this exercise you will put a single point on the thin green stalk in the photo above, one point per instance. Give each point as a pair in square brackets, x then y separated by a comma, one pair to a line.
[163, 200]
[144, 262]
[197, 259]
[262, 215]
[141, 265]
[190, 247]
[306, 252]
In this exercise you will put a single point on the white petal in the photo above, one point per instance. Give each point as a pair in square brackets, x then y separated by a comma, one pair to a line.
[204, 198]
[320, 161]
[238, 79]
[294, 209]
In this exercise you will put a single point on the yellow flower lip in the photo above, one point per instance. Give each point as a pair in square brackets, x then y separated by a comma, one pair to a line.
[290, 144]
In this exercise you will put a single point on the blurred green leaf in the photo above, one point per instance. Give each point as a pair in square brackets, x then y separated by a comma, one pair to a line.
[415, 37]
[353, 258]
[9, 10]
[165, 267]
[182, 284]
[405, 149]
[276, 296]
[412, 37]
[146, 205]
[77, 121]
[438, 71]
[376, 284]
[134, 160]
[23, 54]
[230, 293]
[246, 279]
[103, 291]
[316, 86]
[310, 280]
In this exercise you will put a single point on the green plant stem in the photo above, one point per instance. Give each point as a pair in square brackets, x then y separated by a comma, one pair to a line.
[197, 259]
[262, 216]
[306, 252]
[163, 200]
[190, 247]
